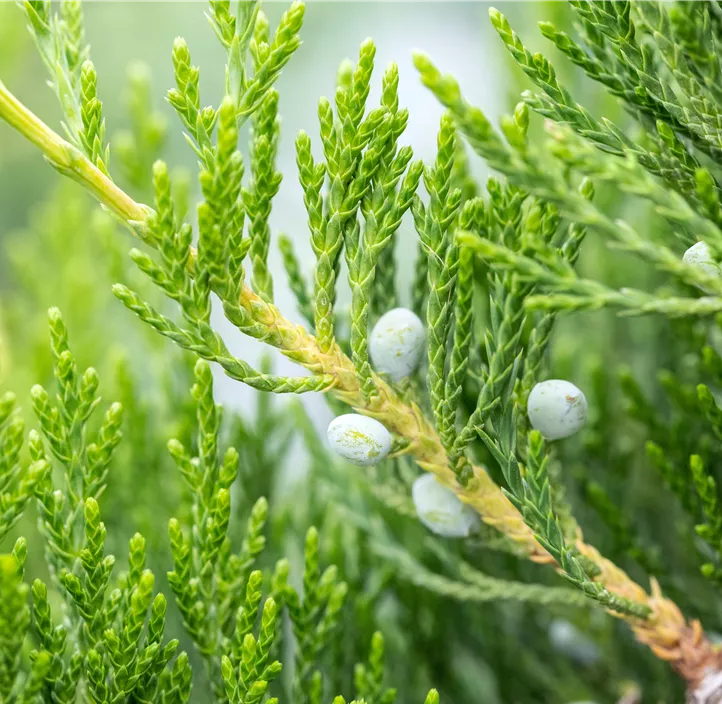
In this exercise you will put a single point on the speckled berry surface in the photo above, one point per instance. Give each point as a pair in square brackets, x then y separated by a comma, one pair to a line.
[699, 255]
[396, 343]
[358, 439]
[557, 409]
[439, 509]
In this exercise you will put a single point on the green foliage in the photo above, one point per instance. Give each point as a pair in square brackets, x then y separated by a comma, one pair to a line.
[589, 217]
[114, 629]
[314, 617]
[17, 482]
[533, 499]
[544, 262]
[265, 184]
[208, 579]
[60, 39]
[105, 621]
[14, 616]
[434, 227]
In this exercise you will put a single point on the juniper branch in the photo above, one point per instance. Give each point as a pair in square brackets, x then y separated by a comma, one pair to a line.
[407, 421]
[672, 161]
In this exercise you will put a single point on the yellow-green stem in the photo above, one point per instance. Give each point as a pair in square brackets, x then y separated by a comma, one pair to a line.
[69, 160]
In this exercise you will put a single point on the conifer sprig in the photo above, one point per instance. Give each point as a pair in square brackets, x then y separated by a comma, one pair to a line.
[384, 294]
[210, 576]
[524, 168]
[389, 196]
[711, 530]
[17, 480]
[352, 148]
[635, 78]
[14, 622]
[264, 186]
[470, 218]
[60, 39]
[562, 290]
[514, 158]
[217, 267]
[568, 249]
[315, 616]
[532, 496]
[475, 587]
[433, 224]
[114, 629]
[481, 493]
[467, 583]
[368, 677]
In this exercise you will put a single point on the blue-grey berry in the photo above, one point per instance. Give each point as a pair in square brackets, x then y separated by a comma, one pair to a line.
[557, 409]
[396, 343]
[359, 439]
[699, 255]
[440, 510]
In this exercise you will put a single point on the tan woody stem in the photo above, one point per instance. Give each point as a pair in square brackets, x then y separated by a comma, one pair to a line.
[666, 631]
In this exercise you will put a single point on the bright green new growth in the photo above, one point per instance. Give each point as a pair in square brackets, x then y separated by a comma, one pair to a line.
[364, 168]
[216, 592]
[17, 482]
[265, 184]
[61, 42]
[314, 617]
[14, 620]
[112, 623]
[389, 196]
[216, 269]
[435, 227]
